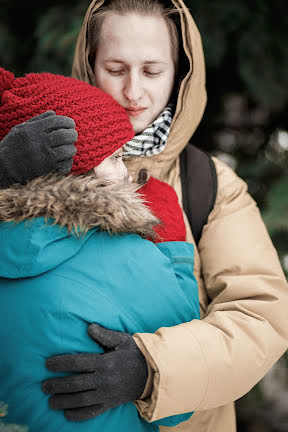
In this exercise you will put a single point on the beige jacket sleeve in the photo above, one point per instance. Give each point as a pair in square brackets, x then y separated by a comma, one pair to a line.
[205, 364]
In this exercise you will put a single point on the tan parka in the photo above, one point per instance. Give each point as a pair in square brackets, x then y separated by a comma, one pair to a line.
[205, 365]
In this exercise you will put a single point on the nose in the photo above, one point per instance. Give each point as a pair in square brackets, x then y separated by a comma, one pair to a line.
[124, 172]
[133, 90]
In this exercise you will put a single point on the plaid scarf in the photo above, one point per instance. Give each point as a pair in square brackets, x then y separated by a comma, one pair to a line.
[153, 139]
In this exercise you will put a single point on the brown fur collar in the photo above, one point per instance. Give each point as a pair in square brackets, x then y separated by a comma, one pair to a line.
[79, 203]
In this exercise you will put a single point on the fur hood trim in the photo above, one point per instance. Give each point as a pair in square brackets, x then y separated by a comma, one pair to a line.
[80, 204]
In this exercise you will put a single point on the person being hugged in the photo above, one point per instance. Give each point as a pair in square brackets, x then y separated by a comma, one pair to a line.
[82, 249]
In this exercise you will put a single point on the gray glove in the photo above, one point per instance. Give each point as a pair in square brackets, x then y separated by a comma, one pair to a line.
[104, 381]
[39, 146]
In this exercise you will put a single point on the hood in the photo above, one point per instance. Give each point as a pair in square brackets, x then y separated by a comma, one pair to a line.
[43, 223]
[191, 99]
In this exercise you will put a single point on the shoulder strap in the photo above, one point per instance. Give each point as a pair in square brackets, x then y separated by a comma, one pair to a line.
[199, 187]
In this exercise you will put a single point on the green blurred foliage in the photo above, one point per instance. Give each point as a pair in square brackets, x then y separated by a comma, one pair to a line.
[38, 36]
[56, 33]
[251, 38]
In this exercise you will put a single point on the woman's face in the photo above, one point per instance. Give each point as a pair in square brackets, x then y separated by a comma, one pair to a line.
[134, 65]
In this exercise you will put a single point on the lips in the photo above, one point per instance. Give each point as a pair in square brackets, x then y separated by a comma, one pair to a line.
[135, 112]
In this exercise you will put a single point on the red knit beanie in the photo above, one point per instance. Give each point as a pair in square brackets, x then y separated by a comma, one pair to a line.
[163, 201]
[102, 124]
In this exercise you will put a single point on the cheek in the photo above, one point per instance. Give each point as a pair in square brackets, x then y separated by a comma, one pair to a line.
[106, 85]
[109, 170]
[104, 170]
[109, 86]
[164, 89]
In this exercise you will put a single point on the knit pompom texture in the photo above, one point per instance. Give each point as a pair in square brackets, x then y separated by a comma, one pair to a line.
[163, 201]
[6, 80]
[103, 126]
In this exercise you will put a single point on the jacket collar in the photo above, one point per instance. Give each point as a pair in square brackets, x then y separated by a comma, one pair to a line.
[79, 203]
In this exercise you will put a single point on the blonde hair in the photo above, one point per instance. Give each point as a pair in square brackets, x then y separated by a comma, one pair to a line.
[141, 7]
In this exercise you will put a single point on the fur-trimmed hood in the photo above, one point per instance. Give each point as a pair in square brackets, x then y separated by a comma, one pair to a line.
[38, 220]
[79, 204]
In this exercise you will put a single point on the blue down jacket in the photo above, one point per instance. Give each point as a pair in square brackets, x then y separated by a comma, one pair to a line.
[54, 284]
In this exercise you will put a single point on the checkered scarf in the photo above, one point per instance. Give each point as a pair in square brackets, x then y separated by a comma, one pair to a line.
[153, 139]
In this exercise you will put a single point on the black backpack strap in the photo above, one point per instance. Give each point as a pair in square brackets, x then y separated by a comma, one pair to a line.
[199, 187]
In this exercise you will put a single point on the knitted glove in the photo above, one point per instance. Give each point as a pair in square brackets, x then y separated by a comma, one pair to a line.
[42, 144]
[105, 380]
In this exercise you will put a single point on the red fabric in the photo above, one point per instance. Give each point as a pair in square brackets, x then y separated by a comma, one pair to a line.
[163, 201]
[103, 126]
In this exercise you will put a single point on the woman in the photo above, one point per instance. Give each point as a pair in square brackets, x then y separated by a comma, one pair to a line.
[242, 289]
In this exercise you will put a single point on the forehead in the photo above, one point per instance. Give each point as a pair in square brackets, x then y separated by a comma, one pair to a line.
[135, 37]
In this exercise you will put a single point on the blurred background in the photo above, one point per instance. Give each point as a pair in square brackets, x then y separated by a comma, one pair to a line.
[245, 124]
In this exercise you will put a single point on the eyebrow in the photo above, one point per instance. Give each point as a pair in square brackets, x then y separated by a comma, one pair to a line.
[148, 62]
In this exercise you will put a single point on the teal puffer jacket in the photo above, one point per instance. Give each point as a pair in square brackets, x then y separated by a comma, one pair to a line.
[53, 285]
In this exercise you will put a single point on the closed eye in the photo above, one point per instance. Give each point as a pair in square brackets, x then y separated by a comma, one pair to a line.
[116, 72]
[152, 74]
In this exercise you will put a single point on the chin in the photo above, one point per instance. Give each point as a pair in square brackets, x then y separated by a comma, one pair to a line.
[139, 125]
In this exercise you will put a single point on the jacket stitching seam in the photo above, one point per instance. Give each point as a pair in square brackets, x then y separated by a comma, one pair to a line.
[103, 296]
[203, 353]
